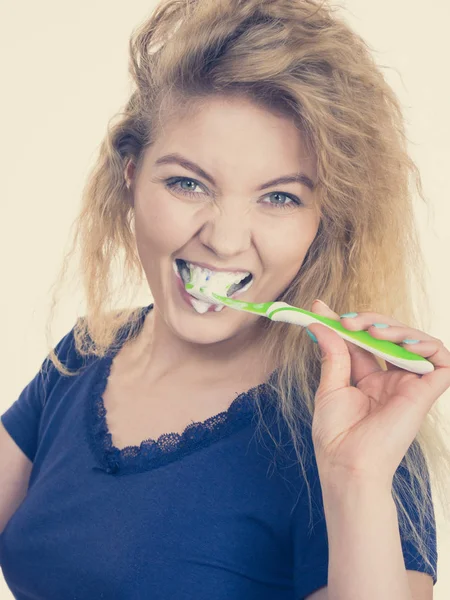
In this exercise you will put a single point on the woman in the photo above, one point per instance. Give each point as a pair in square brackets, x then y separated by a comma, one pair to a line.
[163, 452]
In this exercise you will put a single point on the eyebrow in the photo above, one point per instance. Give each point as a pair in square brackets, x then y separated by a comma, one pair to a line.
[188, 164]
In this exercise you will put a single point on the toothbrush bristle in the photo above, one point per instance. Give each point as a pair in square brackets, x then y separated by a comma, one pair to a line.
[201, 293]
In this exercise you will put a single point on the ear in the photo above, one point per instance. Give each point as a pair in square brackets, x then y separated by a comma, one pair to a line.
[129, 178]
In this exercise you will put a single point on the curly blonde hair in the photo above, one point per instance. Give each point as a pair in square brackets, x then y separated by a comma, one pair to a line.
[298, 59]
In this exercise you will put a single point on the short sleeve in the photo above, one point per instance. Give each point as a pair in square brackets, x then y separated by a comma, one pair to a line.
[413, 559]
[310, 541]
[21, 420]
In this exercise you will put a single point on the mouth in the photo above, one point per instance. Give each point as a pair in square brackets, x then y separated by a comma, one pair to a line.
[241, 279]
[229, 283]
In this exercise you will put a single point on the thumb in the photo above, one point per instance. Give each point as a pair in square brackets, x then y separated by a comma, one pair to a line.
[336, 361]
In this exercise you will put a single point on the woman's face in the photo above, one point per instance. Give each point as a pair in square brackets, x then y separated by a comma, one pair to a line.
[221, 211]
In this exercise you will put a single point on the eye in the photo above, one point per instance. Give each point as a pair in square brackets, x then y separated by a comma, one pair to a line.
[291, 203]
[173, 182]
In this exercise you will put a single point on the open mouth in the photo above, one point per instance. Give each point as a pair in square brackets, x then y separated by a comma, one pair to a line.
[240, 279]
[183, 269]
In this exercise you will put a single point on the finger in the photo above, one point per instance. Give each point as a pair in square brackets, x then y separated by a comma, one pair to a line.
[438, 380]
[363, 362]
[336, 362]
[365, 321]
[396, 332]
[428, 347]
[414, 407]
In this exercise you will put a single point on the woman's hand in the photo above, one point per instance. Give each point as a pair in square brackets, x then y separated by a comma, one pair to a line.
[365, 418]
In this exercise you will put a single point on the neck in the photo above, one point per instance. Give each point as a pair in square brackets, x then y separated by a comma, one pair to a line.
[159, 354]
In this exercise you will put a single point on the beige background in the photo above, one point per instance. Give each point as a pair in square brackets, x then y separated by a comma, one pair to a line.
[64, 74]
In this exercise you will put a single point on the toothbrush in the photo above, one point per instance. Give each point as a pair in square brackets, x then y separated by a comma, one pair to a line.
[281, 311]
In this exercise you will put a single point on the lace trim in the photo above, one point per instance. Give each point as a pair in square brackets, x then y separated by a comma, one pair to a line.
[169, 446]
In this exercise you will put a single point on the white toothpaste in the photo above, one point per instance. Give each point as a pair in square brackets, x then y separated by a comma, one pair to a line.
[211, 281]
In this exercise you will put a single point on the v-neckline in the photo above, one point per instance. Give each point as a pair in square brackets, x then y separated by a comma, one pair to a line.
[169, 447]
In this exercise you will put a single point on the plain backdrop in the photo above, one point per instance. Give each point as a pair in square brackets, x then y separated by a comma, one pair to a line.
[64, 75]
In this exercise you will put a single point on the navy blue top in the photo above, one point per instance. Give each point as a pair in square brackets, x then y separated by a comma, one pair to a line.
[212, 514]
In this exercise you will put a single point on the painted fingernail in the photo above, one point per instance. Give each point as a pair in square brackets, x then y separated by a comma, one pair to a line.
[410, 341]
[353, 314]
[312, 336]
[380, 325]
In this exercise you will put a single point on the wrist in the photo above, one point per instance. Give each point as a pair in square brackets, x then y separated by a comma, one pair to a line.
[339, 482]
[352, 500]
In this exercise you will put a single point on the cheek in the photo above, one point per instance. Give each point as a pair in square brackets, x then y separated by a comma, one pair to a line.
[161, 225]
[286, 246]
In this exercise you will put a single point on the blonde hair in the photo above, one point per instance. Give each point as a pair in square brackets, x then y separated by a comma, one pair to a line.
[299, 59]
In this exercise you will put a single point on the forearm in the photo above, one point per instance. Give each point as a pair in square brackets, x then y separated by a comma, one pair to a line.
[365, 554]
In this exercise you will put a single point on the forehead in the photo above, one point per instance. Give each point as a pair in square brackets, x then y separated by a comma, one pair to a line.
[233, 131]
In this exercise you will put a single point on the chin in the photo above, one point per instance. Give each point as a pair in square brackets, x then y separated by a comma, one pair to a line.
[208, 328]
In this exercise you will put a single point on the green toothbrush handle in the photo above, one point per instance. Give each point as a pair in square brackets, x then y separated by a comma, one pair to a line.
[388, 351]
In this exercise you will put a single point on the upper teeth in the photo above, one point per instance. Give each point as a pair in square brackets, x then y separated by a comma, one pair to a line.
[237, 275]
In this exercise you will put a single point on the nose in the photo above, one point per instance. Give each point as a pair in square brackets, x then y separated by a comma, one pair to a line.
[226, 232]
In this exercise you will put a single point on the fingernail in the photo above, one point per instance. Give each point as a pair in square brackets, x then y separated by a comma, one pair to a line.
[410, 341]
[312, 336]
[321, 302]
[380, 325]
[353, 314]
